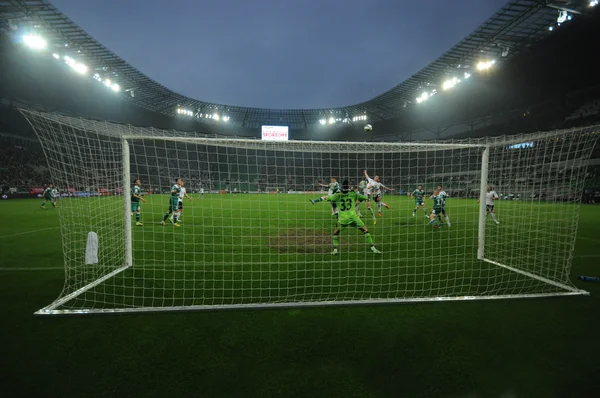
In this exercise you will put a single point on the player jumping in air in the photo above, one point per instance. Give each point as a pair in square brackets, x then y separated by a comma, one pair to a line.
[419, 202]
[347, 200]
[173, 201]
[182, 194]
[375, 186]
[49, 196]
[490, 198]
[444, 195]
[438, 204]
[334, 187]
[136, 197]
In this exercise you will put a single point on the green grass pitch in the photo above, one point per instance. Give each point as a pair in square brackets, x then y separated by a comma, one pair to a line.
[521, 348]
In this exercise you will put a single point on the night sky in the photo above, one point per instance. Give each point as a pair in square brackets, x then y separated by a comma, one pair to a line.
[279, 53]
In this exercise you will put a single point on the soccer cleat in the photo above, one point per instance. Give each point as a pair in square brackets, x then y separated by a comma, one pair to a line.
[497, 222]
[426, 216]
[162, 223]
[379, 214]
[436, 226]
[374, 221]
[414, 215]
[312, 201]
[139, 224]
[176, 225]
[43, 207]
[335, 252]
[386, 206]
[374, 250]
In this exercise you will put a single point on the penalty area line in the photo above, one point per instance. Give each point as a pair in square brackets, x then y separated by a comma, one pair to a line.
[28, 232]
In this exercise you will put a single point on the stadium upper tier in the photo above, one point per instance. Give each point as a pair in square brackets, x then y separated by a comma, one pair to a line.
[515, 27]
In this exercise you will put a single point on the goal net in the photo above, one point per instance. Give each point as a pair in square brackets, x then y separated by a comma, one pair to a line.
[248, 234]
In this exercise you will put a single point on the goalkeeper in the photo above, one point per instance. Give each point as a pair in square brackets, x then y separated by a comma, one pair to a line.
[347, 200]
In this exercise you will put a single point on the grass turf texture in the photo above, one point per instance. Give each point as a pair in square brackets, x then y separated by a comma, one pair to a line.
[521, 347]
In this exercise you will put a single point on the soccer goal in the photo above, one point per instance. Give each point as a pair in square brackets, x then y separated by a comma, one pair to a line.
[250, 236]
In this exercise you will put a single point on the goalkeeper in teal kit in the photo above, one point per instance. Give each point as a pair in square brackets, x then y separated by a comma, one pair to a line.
[346, 202]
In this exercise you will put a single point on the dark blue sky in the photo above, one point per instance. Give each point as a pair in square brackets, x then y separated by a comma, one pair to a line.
[279, 53]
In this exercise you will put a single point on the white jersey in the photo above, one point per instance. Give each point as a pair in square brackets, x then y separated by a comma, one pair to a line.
[181, 194]
[490, 197]
[201, 190]
[374, 187]
[55, 193]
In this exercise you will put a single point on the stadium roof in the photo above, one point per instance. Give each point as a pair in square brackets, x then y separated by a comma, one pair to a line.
[515, 27]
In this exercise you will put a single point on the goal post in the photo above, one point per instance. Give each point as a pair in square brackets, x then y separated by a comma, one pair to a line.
[237, 247]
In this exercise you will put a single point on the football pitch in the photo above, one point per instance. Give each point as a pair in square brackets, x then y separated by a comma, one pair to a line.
[528, 348]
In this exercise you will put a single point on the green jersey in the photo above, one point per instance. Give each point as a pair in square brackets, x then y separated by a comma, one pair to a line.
[439, 201]
[334, 188]
[418, 194]
[362, 186]
[175, 189]
[48, 193]
[136, 191]
[346, 204]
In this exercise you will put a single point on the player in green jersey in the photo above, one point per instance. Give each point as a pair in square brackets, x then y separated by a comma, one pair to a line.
[136, 197]
[49, 196]
[333, 188]
[438, 204]
[444, 196]
[347, 215]
[419, 202]
[173, 201]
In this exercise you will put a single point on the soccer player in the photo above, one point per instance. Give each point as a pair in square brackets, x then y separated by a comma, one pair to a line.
[348, 217]
[173, 201]
[374, 185]
[334, 187]
[202, 191]
[49, 196]
[419, 202]
[438, 205]
[136, 197]
[444, 195]
[490, 197]
[182, 194]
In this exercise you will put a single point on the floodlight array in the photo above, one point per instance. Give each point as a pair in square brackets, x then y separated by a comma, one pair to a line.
[199, 115]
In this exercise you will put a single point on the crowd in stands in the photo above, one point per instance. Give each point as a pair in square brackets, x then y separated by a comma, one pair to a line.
[22, 167]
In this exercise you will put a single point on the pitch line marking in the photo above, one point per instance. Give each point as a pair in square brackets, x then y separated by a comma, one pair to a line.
[28, 232]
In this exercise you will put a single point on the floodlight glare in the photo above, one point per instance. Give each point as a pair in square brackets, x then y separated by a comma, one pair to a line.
[322, 121]
[115, 87]
[80, 68]
[467, 75]
[551, 28]
[56, 56]
[483, 65]
[448, 84]
[331, 120]
[593, 3]
[215, 116]
[225, 118]
[34, 41]
[107, 83]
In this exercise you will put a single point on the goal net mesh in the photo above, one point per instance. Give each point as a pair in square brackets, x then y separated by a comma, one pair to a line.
[250, 235]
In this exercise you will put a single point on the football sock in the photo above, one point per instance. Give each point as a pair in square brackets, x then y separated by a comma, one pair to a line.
[493, 216]
[167, 214]
[369, 239]
[336, 241]
[318, 200]
[448, 220]
[372, 212]
[137, 217]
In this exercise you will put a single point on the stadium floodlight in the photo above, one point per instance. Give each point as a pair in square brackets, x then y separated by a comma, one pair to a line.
[448, 84]
[56, 56]
[551, 28]
[562, 16]
[35, 42]
[467, 75]
[322, 121]
[593, 3]
[423, 97]
[215, 116]
[484, 65]
[112, 266]
[107, 83]
[115, 87]
[331, 120]
[80, 68]
[225, 118]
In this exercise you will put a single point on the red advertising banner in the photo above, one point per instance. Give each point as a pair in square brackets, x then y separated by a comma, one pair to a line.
[36, 190]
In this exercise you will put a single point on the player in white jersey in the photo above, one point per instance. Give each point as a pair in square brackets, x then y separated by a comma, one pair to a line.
[202, 191]
[490, 197]
[182, 194]
[375, 188]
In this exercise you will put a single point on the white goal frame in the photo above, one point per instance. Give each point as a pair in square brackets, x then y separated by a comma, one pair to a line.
[483, 145]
